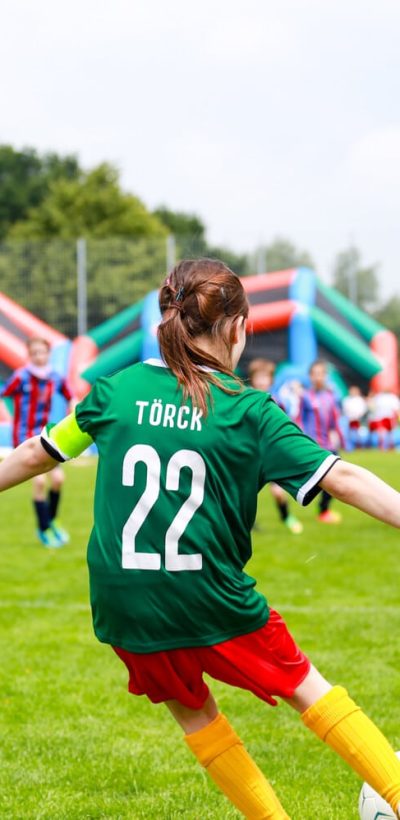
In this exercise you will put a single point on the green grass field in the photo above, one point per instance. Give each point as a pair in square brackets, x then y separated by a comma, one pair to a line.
[76, 745]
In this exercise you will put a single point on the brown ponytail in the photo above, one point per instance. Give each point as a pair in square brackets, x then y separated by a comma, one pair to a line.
[199, 297]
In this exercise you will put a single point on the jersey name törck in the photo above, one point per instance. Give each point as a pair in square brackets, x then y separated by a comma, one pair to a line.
[175, 501]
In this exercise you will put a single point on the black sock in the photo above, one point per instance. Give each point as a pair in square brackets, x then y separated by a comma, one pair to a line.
[325, 501]
[42, 514]
[283, 509]
[53, 501]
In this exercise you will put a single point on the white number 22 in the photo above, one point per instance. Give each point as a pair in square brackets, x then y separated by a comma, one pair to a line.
[174, 562]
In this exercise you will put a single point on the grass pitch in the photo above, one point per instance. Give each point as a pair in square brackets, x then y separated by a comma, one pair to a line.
[76, 745]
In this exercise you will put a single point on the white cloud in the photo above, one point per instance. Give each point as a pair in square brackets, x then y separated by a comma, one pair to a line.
[375, 158]
[264, 116]
[243, 38]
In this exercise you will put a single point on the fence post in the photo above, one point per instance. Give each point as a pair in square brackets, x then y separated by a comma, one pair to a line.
[261, 259]
[81, 286]
[170, 252]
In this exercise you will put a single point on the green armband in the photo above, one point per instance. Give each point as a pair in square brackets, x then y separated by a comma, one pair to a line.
[65, 440]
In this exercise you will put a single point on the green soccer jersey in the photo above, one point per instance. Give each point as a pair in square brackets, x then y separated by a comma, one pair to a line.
[175, 502]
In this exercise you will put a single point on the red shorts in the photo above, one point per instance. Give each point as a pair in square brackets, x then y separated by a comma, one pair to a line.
[266, 662]
[382, 424]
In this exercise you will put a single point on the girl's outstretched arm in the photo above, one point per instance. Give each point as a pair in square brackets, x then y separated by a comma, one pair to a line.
[356, 486]
[28, 460]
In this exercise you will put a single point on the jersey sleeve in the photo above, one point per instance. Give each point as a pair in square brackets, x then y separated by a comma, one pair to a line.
[94, 411]
[289, 457]
[12, 386]
[65, 440]
[336, 423]
[65, 390]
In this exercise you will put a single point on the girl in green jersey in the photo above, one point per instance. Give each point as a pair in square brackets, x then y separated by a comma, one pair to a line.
[206, 444]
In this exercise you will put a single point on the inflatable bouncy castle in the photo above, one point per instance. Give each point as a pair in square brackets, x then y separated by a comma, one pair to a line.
[294, 319]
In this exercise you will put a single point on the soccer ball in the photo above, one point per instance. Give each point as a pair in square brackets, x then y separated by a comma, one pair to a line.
[373, 807]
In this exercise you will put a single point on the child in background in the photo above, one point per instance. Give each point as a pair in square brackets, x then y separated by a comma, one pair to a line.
[355, 409]
[319, 418]
[383, 417]
[261, 374]
[32, 388]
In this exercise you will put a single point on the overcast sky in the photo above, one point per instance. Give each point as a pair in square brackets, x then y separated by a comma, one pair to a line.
[265, 117]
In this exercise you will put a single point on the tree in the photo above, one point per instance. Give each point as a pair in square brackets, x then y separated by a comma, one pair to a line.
[281, 254]
[126, 249]
[389, 315]
[92, 205]
[190, 234]
[237, 262]
[25, 177]
[358, 283]
[182, 225]
[41, 276]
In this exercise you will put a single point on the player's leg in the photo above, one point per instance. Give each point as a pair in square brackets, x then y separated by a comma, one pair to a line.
[281, 501]
[41, 508]
[333, 716]
[219, 749]
[57, 479]
[175, 677]
[326, 515]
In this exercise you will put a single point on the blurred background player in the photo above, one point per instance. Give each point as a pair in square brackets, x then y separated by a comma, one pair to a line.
[319, 418]
[383, 417]
[289, 396]
[355, 410]
[32, 388]
[261, 376]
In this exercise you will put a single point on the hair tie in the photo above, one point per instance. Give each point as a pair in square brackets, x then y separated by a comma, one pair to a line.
[179, 296]
[225, 299]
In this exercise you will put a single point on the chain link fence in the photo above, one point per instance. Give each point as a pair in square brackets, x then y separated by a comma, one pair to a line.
[76, 284]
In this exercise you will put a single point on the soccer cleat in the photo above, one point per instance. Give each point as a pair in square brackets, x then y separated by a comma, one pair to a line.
[329, 517]
[49, 538]
[59, 531]
[293, 524]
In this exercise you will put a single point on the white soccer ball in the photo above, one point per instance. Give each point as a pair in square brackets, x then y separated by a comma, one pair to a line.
[373, 807]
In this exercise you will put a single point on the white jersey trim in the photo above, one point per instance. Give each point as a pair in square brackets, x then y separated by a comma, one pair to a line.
[160, 363]
[44, 435]
[323, 469]
[155, 362]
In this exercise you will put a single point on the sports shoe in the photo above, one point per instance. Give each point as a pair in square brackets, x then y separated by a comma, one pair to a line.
[329, 517]
[293, 524]
[59, 531]
[49, 538]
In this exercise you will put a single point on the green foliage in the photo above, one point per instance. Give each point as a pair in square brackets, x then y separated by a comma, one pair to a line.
[91, 205]
[76, 746]
[182, 225]
[191, 241]
[389, 315]
[25, 177]
[120, 272]
[41, 276]
[281, 254]
[238, 262]
[358, 283]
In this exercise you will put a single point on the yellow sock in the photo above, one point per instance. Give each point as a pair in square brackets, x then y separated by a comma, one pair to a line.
[220, 750]
[337, 720]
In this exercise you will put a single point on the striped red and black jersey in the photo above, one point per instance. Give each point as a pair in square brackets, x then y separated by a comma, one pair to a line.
[32, 400]
[319, 416]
